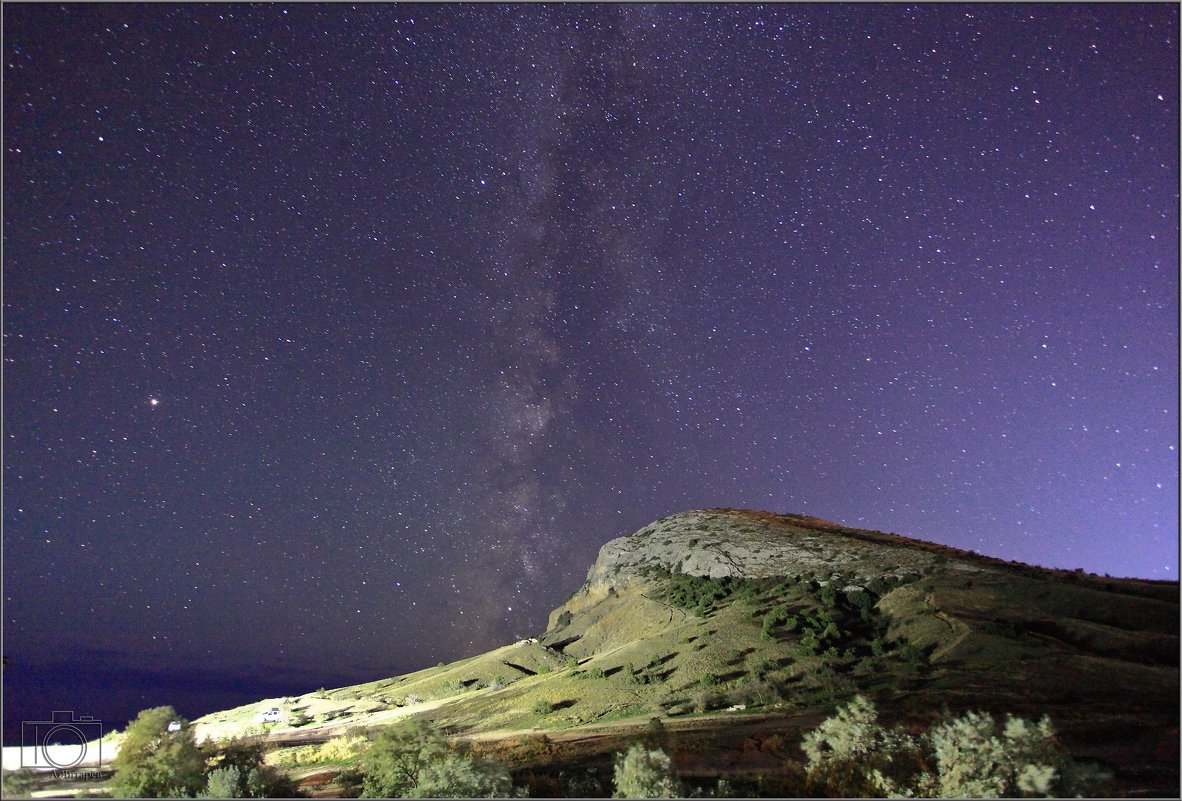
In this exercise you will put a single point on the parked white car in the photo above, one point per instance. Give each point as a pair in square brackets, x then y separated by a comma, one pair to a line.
[270, 715]
[174, 725]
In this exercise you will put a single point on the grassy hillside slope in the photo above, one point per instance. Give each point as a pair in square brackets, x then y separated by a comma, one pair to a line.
[741, 629]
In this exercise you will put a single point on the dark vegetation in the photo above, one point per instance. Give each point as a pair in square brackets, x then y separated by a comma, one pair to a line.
[154, 762]
[829, 617]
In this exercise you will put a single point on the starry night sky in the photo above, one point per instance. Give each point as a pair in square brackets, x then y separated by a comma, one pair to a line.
[337, 340]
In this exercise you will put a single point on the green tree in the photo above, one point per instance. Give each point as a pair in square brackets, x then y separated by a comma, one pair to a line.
[851, 754]
[154, 762]
[414, 761]
[396, 757]
[977, 757]
[244, 761]
[642, 773]
[462, 776]
[223, 783]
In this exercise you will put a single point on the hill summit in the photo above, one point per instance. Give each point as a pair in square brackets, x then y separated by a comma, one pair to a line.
[741, 543]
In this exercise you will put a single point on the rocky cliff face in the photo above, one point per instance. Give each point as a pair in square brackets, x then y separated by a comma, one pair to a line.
[736, 542]
[739, 542]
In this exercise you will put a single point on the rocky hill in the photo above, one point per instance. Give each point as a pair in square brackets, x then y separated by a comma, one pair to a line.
[738, 630]
[718, 543]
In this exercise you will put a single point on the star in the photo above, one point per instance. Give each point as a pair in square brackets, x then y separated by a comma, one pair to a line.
[564, 298]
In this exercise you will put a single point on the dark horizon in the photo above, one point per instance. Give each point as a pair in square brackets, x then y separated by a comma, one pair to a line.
[339, 339]
[115, 694]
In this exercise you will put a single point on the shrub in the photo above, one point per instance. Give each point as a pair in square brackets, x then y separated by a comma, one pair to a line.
[708, 680]
[462, 776]
[413, 760]
[396, 756]
[859, 599]
[154, 762]
[754, 693]
[765, 667]
[704, 701]
[642, 773]
[342, 749]
[829, 596]
[564, 619]
[350, 781]
[852, 754]
[223, 783]
[584, 783]
[295, 757]
[646, 675]
[912, 654]
[242, 762]
[19, 783]
[976, 758]
[543, 707]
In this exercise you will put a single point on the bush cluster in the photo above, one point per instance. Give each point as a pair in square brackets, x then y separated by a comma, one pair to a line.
[154, 762]
[412, 760]
[646, 675]
[697, 594]
[641, 773]
[755, 692]
[338, 749]
[851, 754]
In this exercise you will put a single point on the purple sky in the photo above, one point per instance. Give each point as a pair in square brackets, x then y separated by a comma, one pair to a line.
[338, 340]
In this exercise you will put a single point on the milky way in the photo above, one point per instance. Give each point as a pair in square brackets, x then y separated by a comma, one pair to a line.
[338, 339]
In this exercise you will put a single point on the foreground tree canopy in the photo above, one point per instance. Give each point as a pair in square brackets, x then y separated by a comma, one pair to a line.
[851, 754]
[157, 760]
[412, 760]
[154, 762]
[971, 756]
